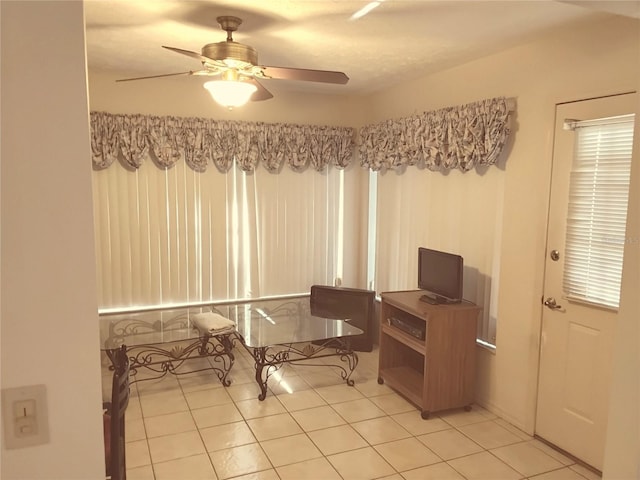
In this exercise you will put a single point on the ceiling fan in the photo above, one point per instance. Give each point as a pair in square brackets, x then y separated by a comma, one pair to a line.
[237, 67]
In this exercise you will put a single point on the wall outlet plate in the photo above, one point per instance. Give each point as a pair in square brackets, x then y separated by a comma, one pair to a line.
[25, 416]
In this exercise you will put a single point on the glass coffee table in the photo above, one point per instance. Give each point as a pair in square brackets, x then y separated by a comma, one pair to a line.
[291, 330]
[274, 331]
[164, 341]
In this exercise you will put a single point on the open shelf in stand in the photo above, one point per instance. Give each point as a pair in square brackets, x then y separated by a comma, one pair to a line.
[406, 381]
[412, 342]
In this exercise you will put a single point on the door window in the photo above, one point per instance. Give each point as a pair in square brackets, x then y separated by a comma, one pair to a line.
[597, 210]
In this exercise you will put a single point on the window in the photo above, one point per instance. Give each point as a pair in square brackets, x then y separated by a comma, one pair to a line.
[597, 212]
[459, 213]
[286, 231]
[176, 236]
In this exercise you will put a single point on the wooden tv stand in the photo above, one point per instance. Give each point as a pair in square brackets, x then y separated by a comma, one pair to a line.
[437, 372]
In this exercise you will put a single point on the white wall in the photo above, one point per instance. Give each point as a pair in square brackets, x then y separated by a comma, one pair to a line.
[597, 58]
[185, 97]
[49, 309]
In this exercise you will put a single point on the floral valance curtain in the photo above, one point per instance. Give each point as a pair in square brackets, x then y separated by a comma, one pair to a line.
[201, 140]
[460, 137]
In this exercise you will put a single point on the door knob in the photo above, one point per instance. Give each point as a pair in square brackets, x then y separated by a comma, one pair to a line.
[551, 303]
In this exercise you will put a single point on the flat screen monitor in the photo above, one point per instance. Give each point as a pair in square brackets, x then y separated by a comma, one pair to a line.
[440, 274]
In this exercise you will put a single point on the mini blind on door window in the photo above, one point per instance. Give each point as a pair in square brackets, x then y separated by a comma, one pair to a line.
[597, 211]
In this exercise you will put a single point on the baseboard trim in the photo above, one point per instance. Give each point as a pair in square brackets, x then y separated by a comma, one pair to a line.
[493, 408]
[568, 455]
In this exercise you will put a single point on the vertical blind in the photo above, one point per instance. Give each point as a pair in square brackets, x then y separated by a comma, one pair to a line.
[174, 236]
[459, 213]
[597, 210]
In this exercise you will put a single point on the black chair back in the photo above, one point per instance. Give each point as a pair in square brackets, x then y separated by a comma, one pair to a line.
[352, 303]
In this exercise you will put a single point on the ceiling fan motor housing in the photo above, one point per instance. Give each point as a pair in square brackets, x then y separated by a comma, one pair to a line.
[237, 53]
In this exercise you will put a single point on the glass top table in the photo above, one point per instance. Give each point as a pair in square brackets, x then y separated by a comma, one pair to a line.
[274, 331]
[148, 327]
[162, 340]
[291, 330]
[265, 323]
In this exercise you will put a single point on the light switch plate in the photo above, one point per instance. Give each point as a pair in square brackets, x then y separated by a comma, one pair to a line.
[25, 416]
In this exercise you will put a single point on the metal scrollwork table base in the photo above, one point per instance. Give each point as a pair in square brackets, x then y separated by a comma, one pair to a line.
[280, 331]
[269, 359]
[161, 342]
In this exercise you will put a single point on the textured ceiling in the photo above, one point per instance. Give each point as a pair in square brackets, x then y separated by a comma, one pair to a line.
[400, 39]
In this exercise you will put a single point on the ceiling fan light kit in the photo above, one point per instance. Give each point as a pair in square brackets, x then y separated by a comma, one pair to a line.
[237, 66]
[230, 93]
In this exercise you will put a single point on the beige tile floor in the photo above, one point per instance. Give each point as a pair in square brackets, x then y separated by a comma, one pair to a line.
[314, 426]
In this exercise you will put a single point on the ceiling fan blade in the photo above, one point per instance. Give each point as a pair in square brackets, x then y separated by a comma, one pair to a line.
[190, 72]
[260, 94]
[305, 75]
[191, 54]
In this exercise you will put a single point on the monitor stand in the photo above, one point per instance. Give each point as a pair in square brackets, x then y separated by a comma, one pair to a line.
[433, 299]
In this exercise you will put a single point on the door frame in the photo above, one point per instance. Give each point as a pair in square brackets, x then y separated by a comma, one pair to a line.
[551, 137]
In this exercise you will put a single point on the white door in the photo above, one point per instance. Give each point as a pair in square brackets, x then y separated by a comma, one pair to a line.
[577, 336]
